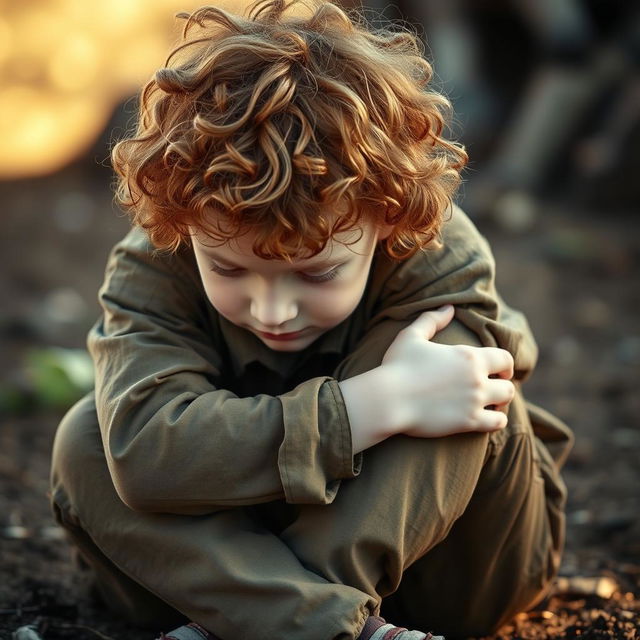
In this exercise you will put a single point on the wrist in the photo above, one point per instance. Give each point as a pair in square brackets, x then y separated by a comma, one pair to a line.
[369, 400]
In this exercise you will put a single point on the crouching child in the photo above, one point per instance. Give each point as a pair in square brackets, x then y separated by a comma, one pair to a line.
[307, 421]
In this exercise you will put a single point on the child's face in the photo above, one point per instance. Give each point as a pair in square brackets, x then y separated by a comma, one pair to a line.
[287, 305]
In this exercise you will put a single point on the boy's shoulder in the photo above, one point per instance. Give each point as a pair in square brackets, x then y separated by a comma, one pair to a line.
[137, 249]
[139, 274]
[459, 259]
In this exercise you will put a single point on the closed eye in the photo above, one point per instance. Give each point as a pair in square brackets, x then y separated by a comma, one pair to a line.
[221, 271]
[234, 272]
[322, 277]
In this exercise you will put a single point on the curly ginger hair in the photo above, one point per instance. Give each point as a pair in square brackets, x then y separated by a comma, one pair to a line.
[274, 121]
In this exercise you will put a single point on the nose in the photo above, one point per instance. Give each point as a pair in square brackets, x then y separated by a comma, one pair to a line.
[272, 304]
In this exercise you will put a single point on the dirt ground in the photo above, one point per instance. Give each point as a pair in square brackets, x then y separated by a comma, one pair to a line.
[575, 274]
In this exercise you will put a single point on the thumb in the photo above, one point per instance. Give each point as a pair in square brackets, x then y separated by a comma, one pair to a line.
[430, 322]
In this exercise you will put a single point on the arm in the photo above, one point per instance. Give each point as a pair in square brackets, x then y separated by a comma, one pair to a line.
[174, 439]
[396, 381]
[462, 273]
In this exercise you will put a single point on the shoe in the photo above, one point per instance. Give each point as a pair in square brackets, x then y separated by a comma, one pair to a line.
[377, 628]
[191, 631]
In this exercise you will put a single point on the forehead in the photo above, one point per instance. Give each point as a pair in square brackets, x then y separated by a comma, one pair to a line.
[342, 246]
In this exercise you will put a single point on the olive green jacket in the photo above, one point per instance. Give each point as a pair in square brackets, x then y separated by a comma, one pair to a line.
[196, 412]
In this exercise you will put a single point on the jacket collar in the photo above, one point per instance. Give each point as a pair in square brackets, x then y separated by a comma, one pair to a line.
[245, 348]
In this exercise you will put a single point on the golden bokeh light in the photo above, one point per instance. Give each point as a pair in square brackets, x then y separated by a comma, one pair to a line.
[81, 53]
[6, 39]
[66, 64]
[49, 129]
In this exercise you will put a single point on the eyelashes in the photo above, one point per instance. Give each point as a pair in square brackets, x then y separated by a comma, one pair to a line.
[227, 273]
[236, 273]
[325, 277]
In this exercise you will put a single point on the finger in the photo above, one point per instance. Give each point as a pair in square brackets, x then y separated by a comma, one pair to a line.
[499, 392]
[490, 421]
[430, 322]
[498, 361]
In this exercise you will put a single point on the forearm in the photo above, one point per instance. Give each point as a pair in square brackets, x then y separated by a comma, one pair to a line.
[187, 453]
[181, 451]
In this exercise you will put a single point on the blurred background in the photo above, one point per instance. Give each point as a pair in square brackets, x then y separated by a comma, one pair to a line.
[547, 100]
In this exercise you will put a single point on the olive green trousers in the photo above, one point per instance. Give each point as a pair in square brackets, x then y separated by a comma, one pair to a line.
[452, 535]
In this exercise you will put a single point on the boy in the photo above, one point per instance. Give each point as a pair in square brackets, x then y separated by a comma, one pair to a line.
[264, 452]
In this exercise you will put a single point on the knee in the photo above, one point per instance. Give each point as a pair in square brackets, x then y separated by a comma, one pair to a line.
[76, 444]
[510, 468]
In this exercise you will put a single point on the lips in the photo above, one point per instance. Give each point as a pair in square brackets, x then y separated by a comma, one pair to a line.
[281, 336]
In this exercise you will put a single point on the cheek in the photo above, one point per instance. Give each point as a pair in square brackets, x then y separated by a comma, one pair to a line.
[334, 304]
[226, 298]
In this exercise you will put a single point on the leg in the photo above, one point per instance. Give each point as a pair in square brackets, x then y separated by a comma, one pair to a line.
[499, 558]
[473, 532]
[354, 552]
[125, 597]
[224, 570]
[404, 502]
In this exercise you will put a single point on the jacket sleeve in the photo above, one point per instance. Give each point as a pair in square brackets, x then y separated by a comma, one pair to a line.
[461, 272]
[174, 440]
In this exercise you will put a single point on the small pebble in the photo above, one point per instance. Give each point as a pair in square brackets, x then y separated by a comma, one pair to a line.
[580, 517]
[27, 632]
[15, 532]
[604, 587]
[52, 533]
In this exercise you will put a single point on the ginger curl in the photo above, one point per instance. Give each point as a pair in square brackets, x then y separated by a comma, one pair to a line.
[291, 124]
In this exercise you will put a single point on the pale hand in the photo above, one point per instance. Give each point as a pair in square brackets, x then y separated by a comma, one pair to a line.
[427, 390]
[443, 389]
